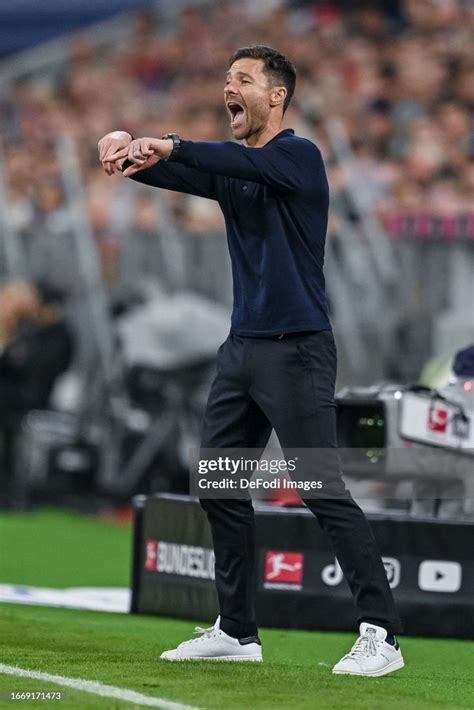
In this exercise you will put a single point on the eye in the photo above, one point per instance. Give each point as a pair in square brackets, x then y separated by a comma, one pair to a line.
[245, 81]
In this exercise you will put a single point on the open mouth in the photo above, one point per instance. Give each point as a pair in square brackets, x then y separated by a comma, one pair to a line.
[236, 113]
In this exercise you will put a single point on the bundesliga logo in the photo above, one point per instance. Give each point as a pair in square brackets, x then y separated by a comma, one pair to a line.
[283, 570]
[182, 560]
[438, 419]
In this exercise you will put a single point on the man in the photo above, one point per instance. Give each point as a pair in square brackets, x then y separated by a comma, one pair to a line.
[278, 366]
[36, 346]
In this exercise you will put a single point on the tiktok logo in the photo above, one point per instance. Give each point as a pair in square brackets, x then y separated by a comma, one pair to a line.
[332, 575]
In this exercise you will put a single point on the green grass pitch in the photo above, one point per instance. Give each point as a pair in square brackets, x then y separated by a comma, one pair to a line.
[51, 548]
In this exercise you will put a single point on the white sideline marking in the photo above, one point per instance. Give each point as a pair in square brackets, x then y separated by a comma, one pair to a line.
[97, 688]
[92, 598]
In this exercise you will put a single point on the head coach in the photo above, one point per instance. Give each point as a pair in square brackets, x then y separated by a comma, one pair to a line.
[277, 368]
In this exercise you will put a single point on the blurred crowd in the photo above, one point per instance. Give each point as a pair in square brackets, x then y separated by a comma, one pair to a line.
[398, 76]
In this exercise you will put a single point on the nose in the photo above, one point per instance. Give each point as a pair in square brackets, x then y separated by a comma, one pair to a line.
[229, 90]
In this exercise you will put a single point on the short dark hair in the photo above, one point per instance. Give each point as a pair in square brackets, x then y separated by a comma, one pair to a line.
[280, 70]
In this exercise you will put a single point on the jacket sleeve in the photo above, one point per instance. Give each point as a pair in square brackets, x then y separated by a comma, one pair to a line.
[286, 165]
[177, 177]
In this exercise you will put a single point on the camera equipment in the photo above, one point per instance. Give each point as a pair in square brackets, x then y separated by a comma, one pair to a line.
[390, 430]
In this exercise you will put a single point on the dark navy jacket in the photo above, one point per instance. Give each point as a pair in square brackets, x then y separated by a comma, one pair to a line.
[275, 202]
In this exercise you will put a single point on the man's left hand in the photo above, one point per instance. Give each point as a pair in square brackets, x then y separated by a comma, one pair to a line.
[143, 153]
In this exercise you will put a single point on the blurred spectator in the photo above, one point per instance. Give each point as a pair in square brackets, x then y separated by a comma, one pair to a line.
[36, 345]
[35, 348]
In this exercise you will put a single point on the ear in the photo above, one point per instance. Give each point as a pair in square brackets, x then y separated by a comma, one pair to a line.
[278, 95]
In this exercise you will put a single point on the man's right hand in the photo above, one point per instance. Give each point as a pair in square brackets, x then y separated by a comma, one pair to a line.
[110, 144]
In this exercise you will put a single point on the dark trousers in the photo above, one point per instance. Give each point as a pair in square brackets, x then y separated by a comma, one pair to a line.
[287, 384]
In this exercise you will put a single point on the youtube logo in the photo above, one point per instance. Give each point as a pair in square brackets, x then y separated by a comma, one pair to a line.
[439, 576]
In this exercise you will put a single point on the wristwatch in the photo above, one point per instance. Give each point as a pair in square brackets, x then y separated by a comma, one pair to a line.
[176, 144]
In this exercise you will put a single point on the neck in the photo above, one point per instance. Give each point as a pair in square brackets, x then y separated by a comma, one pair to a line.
[265, 134]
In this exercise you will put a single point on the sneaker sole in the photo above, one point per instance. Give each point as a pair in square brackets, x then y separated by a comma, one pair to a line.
[394, 666]
[224, 659]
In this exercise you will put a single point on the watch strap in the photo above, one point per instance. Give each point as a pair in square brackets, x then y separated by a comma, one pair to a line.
[176, 145]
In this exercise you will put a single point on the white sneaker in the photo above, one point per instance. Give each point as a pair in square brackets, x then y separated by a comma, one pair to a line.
[215, 645]
[371, 655]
